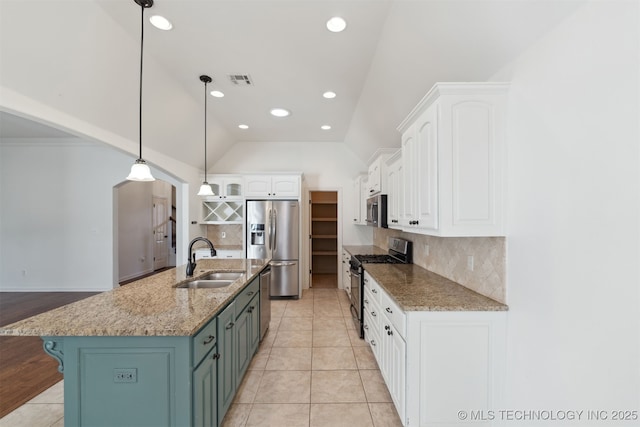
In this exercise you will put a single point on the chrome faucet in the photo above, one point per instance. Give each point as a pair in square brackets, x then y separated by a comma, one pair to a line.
[191, 262]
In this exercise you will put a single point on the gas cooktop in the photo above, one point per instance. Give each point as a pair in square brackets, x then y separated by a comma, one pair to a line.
[378, 259]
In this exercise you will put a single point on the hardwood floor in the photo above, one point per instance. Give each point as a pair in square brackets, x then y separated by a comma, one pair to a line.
[25, 369]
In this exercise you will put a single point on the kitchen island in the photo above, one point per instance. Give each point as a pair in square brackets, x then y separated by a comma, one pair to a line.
[149, 353]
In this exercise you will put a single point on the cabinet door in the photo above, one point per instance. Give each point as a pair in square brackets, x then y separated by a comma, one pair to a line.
[243, 344]
[395, 365]
[285, 186]
[426, 172]
[226, 363]
[232, 187]
[406, 214]
[257, 186]
[357, 205]
[254, 334]
[205, 382]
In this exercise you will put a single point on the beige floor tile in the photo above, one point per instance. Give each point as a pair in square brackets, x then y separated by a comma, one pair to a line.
[374, 386]
[340, 415]
[237, 415]
[329, 323]
[301, 310]
[249, 386]
[34, 415]
[293, 339]
[279, 415]
[269, 338]
[296, 324]
[332, 358]
[325, 294]
[289, 359]
[54, 394]
[365, 358]
[348, 320]
[331, 338]
[284, 387]
[384, 415]
[346, 310]
[260, 359]
[336, 387]
[356, 341]
[274, 324]
[325, 310]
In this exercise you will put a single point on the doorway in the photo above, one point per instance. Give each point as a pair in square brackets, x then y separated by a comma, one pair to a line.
[323, 236]
[146, 233]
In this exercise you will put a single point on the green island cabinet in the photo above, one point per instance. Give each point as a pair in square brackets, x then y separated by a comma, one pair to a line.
[160, 380]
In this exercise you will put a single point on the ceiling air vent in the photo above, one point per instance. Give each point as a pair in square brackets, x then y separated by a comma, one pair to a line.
[241, 79]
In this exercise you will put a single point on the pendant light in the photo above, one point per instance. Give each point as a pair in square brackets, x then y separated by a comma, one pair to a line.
[205, 188]
[140, 171]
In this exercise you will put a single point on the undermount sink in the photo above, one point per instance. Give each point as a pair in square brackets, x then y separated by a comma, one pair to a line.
[223, 275]
[205, 284]
[216, 279]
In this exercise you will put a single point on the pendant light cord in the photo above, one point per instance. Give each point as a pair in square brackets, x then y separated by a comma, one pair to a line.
[205, 131]
[141, 56]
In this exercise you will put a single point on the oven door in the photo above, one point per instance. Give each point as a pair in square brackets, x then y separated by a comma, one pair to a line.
[356, 299]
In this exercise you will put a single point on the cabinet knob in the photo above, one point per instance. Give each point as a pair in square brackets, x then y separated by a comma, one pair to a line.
[389, 332]
[215, 356]
[386, 327]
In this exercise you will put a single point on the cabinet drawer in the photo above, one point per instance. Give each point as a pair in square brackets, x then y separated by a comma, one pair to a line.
[373, 287]
[395, 315]
[371, 309]
[247, 293]
[204, 341]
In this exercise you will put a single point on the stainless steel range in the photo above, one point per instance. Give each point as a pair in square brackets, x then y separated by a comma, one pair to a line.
[400, 252]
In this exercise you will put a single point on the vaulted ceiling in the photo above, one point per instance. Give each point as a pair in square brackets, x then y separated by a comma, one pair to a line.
[82, 58]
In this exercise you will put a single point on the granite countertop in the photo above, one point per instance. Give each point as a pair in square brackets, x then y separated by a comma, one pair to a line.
[152, 306]
[416, 289]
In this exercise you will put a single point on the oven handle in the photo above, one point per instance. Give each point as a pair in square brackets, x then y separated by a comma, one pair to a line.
[352, 273]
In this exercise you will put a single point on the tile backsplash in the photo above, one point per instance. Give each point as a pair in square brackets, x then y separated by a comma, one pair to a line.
[233, 234]
[449, 257]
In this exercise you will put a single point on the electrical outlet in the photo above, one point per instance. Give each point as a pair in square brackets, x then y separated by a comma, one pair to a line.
[125, 375]
[470, 262]
[224, 235]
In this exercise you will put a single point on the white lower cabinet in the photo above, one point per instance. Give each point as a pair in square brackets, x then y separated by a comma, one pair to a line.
[437, 363]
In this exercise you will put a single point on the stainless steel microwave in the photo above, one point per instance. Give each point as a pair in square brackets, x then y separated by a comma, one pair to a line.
[377, 211]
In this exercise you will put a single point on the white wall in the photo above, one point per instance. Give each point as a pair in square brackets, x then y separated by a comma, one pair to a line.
[57, 214]
[573, 240]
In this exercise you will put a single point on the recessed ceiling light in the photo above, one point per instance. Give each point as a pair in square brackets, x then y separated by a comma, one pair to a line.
[217, 93]
[329, 95]
[243, 126]
[280, 112]
[325, 127]
[336, 24]
[160, 22]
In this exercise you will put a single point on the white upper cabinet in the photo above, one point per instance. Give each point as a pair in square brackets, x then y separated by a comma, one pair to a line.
[360, 189]
[272, 186]
[377, 174]
[454, 161]
[226, 186]
[394, 189]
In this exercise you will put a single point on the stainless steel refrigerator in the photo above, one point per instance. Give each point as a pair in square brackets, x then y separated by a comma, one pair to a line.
[273, 231]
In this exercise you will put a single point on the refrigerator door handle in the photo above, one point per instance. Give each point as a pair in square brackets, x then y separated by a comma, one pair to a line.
[269, 231]
[275, 229]
[281, 264]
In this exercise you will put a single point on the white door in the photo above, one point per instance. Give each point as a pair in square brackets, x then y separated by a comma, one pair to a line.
[160, 232]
